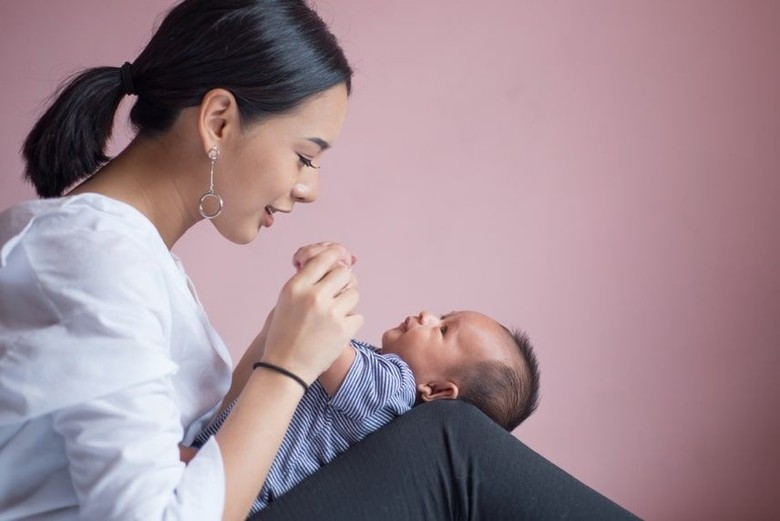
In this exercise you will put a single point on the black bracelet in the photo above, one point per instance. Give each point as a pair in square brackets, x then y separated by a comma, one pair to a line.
[283, 371]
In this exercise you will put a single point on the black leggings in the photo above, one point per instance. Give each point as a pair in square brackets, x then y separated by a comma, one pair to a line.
[442, 460]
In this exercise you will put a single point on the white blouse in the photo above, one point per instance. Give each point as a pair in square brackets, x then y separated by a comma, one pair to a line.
[107, 363]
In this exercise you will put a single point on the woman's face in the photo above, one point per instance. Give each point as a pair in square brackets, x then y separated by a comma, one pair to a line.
[273, 164]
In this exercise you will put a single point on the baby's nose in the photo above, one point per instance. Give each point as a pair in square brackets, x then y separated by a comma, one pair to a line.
[427, 318]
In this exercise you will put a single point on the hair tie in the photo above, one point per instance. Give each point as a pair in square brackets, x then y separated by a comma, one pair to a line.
[282, 370]
[126, 73]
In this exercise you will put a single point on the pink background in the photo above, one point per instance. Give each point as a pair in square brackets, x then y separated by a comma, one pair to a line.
[603, 174]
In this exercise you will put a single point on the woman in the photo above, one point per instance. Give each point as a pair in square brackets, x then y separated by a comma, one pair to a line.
[107, 361]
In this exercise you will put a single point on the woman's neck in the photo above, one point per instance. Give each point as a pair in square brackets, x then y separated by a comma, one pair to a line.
[150, 175]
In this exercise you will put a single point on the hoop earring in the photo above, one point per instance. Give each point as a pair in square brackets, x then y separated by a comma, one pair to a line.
[211, 194]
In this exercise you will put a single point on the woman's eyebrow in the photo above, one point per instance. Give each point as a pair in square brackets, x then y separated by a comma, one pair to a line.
[324, 145]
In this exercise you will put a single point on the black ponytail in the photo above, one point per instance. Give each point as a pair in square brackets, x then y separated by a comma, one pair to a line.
[69, 140]
[271, 54]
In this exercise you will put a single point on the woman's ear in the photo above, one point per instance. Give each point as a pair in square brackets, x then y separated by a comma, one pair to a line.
[438, 391]
[218, 118]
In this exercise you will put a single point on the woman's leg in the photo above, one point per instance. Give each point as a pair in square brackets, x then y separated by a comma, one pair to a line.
[442, 460]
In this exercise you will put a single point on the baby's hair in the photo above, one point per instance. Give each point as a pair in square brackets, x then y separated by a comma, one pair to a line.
[506, 393]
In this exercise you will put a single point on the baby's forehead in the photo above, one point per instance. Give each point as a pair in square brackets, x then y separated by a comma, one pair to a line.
[477, 320]
[482, 330]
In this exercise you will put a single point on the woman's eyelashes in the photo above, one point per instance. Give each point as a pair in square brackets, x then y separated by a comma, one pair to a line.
[306, 161]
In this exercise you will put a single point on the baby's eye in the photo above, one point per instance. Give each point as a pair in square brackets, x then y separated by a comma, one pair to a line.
[306, 161]
[443, 329]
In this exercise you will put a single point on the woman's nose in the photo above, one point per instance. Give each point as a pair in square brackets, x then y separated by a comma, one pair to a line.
[306, 190]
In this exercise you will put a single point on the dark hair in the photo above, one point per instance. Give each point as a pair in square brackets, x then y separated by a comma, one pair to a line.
[506, 393]
[271, 54]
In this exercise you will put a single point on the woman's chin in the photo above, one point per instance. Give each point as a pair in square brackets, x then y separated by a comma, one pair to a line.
[241, 236]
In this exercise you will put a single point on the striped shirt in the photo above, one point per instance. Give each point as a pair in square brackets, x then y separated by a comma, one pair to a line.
[377, 389]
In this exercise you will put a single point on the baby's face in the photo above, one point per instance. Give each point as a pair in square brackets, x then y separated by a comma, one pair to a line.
[435, 347]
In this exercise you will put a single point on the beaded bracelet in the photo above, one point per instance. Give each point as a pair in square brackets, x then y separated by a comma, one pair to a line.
[283, 371]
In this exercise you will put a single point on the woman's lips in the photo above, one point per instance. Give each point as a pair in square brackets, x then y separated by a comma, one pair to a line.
[268, 218]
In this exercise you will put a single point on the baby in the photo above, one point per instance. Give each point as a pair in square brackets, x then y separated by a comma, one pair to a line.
[462, 355]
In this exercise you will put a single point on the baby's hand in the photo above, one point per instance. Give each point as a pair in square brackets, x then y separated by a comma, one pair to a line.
[306, 253]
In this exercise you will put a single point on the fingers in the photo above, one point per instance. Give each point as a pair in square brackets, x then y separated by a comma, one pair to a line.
[338, 280]
[318, 266]
[352, 284]
[306, 253]
[345, 303]
[353, 323]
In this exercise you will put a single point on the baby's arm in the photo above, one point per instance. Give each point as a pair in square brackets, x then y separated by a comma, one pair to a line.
[332, 379]
[376, 389]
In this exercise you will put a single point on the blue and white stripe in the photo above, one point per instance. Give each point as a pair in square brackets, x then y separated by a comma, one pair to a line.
[377, 389]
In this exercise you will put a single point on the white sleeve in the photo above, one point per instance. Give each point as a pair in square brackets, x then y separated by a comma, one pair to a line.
[124, 459]
[91, 347]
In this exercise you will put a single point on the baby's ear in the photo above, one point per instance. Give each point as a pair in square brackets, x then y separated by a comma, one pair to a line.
[438, 391]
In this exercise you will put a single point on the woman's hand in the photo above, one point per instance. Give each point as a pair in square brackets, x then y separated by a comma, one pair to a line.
[315, 314]
[256, 349]
[302, 256]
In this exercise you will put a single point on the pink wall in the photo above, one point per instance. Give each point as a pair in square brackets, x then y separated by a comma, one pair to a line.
[603, 174]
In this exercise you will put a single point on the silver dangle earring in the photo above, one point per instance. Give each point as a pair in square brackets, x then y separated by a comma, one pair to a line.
[211, 194]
